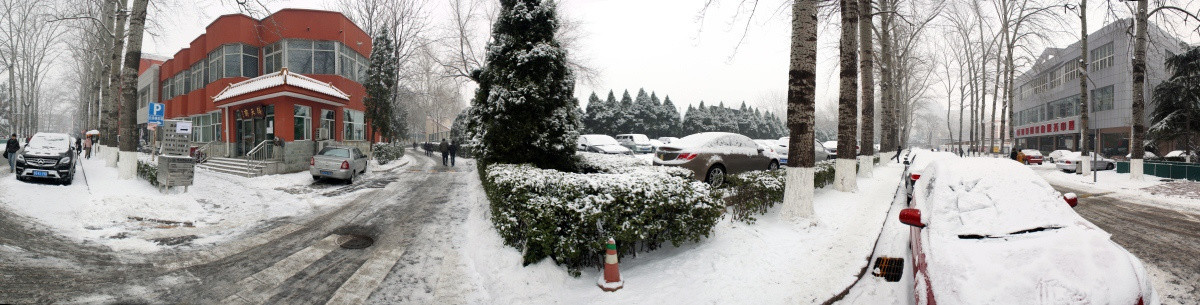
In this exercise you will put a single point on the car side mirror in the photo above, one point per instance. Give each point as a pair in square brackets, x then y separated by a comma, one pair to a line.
[1071, 199]
[911, 217]
[760, 150]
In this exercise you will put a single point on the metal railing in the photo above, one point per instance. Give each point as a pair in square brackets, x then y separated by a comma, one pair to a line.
[202, 152]
[262, 152]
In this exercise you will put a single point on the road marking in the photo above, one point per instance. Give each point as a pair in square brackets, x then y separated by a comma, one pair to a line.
[359, 286]
[254, 289]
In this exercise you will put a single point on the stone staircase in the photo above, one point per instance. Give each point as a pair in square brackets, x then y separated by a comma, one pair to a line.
[234, 166]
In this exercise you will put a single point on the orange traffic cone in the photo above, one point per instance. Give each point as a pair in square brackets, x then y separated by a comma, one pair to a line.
[611, 280]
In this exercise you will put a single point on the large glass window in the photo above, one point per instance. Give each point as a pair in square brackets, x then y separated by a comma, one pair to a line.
[1055, 77]
[198, 77]
[232, 60]
[1102, 99]
[303, 122]
[1102, 57]
[166, 90]
[324, 58]
[272, 57]
[206, 127]
[216, 65]
[300, 56]
[354, 129]
[327, 121]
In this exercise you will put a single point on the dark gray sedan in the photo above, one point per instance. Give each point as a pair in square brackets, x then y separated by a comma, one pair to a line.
[338, 162]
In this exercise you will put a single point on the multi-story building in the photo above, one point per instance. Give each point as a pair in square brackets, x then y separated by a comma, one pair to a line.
[1047, 99]
[294, 76]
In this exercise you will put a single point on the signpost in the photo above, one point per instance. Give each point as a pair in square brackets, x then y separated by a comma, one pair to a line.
[155, 115]
[176, 166]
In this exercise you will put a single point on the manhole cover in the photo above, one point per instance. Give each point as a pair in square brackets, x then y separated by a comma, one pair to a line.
[354, 241]
[889, 268]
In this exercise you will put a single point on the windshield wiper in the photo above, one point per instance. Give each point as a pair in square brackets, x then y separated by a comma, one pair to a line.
[974, 236]
[1038, 229]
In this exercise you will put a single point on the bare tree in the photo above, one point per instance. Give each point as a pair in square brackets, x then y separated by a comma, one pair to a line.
[798, 192]
[128, 117]
[867, 73]
[108, 113]
[847, 100]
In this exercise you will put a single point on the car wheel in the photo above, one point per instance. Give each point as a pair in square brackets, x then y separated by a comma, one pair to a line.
[68, 180]
[352, 175]
[315, 177]
[773, 166]
[1110, 166]
[715, 176]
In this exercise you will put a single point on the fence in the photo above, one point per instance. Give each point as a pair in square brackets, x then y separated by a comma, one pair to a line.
[1165, 169]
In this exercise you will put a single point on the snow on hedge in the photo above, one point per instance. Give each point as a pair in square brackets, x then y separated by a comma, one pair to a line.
[566, 216]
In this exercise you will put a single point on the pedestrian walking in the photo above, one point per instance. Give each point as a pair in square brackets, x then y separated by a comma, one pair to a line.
[897, 157]
[453, 151]
[414, 145]
[10, 150]
[444, 148]
[78, 146]
[1013, 155]
[87, 147]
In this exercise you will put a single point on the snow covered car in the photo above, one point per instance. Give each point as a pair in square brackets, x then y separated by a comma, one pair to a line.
[918, 161]
[48, 156]
[831, 148]
[1145, 156]
[991, 231]
[667, 140]
[338, 162]
[1180, 155]
[819, 152]
[1070, 162]
[638, 143]
[1031, 156]
[712, 155]
[1057, 155]
[769, 146]
[599, 143]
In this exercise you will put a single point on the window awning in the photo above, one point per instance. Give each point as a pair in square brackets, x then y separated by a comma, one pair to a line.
[281, 83]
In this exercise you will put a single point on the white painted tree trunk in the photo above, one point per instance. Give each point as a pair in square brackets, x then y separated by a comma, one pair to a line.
[866, 166]
[110, 155]
[126, 165]
[1135, 169]
[1085, 166]
[844, 176]
[798, 195]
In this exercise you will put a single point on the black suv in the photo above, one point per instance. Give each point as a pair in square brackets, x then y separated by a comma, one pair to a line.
[47, 156]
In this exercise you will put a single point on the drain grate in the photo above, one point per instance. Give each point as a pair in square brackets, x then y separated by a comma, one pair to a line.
[355, 241]
[889, 268]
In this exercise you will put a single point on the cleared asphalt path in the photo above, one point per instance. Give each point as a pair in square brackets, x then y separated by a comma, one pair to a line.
[292, 261]
[1167, 239]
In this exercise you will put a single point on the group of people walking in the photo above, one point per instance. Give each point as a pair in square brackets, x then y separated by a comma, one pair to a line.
[449, 150]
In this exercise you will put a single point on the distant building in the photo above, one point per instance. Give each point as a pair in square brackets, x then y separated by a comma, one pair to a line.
[1047, 99]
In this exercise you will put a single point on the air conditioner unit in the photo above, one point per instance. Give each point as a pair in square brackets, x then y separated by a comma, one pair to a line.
[322, 134]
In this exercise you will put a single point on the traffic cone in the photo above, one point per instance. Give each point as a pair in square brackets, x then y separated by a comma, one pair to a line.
[611, 280]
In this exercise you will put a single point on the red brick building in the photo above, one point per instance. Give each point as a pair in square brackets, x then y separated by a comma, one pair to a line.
[294, 75]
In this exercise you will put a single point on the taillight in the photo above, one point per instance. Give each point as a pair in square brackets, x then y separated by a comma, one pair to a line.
[1141, 301]
[345, 164]
[915, 177]
[1068, 162]
[686, 156]
[1071, 199]
[312, 161]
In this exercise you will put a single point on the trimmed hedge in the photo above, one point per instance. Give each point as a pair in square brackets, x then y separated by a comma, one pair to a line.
[567, 216]
[752, 193]
[388, 152]
[148, 171]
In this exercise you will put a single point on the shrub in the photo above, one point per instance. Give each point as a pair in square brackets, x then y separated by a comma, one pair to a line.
[148, 171]
[567, 216]
[388, 152]
[752, 193]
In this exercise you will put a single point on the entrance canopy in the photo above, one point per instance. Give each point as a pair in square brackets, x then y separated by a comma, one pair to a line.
[281, 83]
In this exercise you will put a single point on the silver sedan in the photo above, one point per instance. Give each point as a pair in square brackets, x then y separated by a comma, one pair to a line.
[338, 162]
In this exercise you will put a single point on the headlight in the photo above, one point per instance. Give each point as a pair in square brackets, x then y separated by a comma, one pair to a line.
[65, 161]
[20, 158]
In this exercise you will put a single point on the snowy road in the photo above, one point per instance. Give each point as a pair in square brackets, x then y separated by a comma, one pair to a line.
[293, 261]
[1167, 240]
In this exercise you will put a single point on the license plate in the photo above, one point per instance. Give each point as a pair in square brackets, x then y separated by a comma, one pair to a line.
[41, 173]
[327, 173]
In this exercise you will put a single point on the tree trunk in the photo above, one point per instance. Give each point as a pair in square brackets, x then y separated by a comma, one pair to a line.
[1084, 139]
[844, 176]
[133, 55]
[1137, 150]
[995, 100]
[866, 70]
[798, 192]
[887, 127]
[108, 119]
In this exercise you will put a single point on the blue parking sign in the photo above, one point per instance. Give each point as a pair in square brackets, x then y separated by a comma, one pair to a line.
[156, 113]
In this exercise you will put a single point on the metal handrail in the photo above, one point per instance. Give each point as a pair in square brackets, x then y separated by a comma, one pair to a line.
[202, 152]
[261, 153]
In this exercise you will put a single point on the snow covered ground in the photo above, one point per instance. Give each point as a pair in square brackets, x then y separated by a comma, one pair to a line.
[1162, 192]
[769, 262]
[132, 215]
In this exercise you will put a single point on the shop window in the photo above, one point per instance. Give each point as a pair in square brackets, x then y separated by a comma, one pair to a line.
[303, 122]
[354, 129]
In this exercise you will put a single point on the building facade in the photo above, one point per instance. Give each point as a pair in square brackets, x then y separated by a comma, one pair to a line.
[1046, 113]
[294, 76]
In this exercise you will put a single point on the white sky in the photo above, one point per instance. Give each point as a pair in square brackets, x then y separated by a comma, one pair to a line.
[661, 45]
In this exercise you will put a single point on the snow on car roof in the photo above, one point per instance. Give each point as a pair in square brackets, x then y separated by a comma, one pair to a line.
[921, 158]
[699, 139]
[46, 144]
[599, 139]
[989, 197]
[1031, 152]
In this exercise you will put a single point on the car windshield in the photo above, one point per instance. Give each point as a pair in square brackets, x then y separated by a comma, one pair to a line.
[982, 197]
[336, 152]
[45, 142]
[597, 140]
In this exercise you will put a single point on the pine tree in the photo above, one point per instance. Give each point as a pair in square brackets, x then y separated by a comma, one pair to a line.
[527, 113]
[608, 115]
[381, 81]
[623, 114]
[591, 123]
[642, 113]
[671, 119]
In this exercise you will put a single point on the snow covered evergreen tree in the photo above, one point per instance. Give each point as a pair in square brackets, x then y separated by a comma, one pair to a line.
[671, 114]
[591, 124]
[524, 109]
[641, 114]
[381, 80]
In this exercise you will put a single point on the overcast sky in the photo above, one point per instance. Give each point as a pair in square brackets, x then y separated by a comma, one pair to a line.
[663, 45]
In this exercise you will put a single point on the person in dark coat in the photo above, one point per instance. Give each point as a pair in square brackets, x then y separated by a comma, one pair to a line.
[444, 148]
[898, 150]
[78, 145]
[10, 151]
[1013, 155]
[453, 151]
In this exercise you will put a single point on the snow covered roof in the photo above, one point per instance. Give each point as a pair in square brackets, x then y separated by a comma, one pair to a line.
[280, 78]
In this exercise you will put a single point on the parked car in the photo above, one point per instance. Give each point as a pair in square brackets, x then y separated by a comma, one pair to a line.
[603, 144]
[1056, 155]
[667, 140]
[1146, 155]
[831, 148]
[769, 146]
[1070, 162]
[338, 162]
[990, 231]
[819, 151]
[1031, 156]
[48, 156]
[712, 155]
[638, 143]
[1180, 156]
